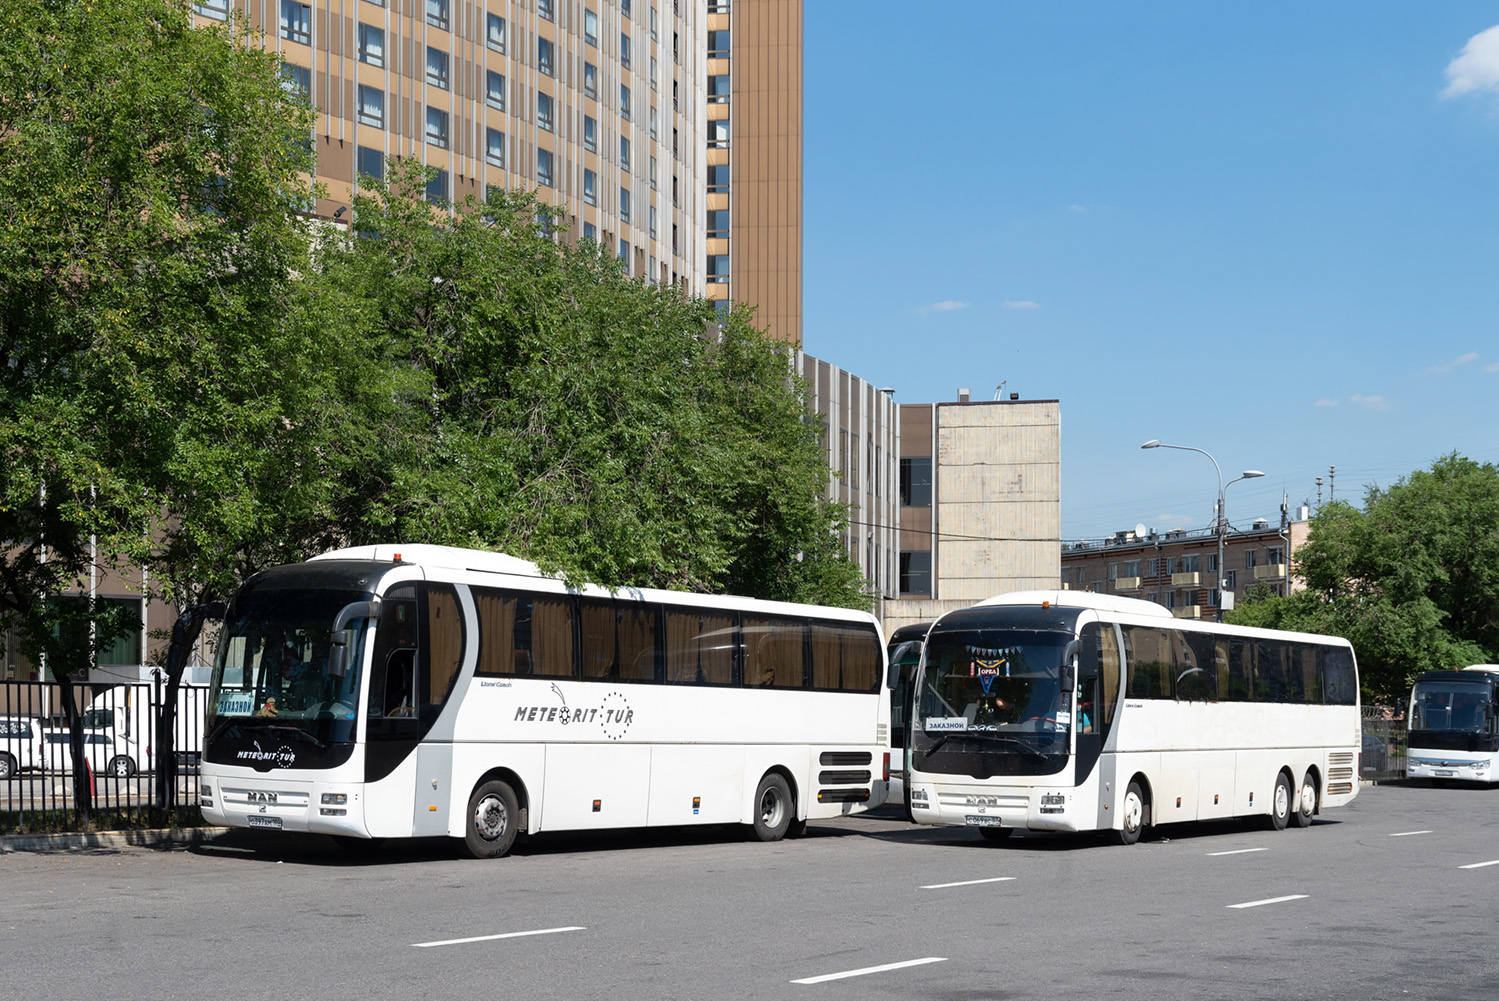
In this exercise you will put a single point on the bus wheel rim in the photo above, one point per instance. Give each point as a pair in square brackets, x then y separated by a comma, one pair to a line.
[489, 818]
[1134, 810]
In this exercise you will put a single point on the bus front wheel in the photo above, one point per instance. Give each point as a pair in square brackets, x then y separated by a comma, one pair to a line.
[1132, 812]
[493, 812]
[1280, 804]
[773, 810]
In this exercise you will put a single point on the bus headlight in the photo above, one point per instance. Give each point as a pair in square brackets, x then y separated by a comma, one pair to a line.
[205, 795]
[335, 798]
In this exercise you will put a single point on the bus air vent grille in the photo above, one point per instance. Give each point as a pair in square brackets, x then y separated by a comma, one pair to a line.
[845, 758]
[847, 778]
[842, 795]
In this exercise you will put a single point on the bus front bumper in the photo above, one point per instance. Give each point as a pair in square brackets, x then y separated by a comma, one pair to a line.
[1433, 767]
[268, 803]
[1032, 808]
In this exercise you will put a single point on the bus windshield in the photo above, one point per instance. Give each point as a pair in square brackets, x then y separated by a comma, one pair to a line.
[998, 685]
[1460, 706]
[271, 671]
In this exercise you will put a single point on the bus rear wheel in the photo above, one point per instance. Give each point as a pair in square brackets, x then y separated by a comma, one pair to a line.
[1306, 802]
[493, 812]
[773, 809]
[1280, 804]
[1132, 812]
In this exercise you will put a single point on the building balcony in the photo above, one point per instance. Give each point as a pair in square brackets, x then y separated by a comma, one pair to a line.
[1127, 583]
[1193, 579]
[1188, 611]
[1270, 571]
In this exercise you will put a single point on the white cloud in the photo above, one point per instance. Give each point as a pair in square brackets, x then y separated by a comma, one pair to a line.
[1021, 304]
[945, 306]
[1476, 66]
[1327, 402]
[1077, 208]
[1372, 402]
[1454, 364]
[1492, 366]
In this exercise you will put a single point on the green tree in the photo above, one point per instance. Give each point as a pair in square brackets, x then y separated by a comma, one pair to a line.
[150, 179]
[534, 399]
[1411, 578]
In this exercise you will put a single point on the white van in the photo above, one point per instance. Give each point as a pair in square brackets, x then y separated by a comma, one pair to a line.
[126, 715]
[56, 753]
[20, 744]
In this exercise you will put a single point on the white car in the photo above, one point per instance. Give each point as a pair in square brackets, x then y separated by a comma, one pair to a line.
[98, 748]
[20, 741]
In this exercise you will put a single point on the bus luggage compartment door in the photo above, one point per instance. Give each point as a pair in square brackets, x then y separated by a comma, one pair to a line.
[434, 790]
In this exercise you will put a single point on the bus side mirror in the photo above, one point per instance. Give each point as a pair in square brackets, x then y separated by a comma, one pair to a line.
[1069, 666]
[338, 648]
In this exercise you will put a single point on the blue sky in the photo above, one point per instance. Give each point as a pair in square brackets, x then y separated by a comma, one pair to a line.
[1266, 231]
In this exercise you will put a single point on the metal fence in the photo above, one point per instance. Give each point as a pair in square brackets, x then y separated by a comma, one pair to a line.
[1383, 754]
[121, 760]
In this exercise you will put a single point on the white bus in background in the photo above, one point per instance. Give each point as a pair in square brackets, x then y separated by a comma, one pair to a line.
[402, 691]
[126, 715]
[904, 653]
[1452, 732]
[1073, 711]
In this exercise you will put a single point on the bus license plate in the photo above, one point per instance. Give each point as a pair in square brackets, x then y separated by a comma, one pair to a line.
[973, 821]
[1443, 772]
[256, 820]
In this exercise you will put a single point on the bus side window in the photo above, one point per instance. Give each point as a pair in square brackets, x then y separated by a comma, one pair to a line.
[1100, 660]
[443, 646]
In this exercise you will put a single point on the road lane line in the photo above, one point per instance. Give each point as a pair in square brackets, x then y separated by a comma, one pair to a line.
[1238, 851]
[968, 882]
[1406, 834]
[491, 938]
[870, 969]
[1479, 865]
[1272, 900]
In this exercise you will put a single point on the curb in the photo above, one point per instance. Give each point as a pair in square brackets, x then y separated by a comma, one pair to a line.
[77, 841]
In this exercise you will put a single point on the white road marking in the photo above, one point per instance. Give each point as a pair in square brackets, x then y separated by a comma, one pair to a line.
[1479, 865]
[871, 969]
[490, 938]
[1239, 851]
[1272, 900]
[968, 882]
[1406, 834]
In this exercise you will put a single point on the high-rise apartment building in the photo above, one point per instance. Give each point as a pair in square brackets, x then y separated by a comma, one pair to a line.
[597, 104]
[754, 160]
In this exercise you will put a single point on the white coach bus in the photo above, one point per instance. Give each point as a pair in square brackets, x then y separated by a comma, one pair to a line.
[1071, 711]
[406, 691]
[1452, 730]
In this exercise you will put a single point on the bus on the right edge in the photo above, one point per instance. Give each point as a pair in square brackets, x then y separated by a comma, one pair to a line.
[1451, 720]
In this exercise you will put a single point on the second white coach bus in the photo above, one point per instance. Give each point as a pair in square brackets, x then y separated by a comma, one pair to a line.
[1452, 730]
[403, 691]
[1071, 711]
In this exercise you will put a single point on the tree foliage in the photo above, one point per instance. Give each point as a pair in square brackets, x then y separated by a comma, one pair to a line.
[1411, 578]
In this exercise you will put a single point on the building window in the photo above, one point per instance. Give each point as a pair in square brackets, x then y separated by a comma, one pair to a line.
[718, 45]
[590, 134]
[370, 163]
[653, 73]
[1212, 562]
[216, 9]
[624, 102]
[297, 79]
[371, 45]
[624, 254]
[590, 232]
[718, 133]
[296, 21]
[1275, 555]
[624, 154]
[624, 49]
[1231, 579]
[591, 28]
[915, 480]
[544, 51]
[718, 268]
[494, 36]
[916, 571]
[653, 23]
[372, 106]
[1131, 568]
[544, 105]
[1190, 564]
[718, 6]
[437, 188]
[494, 147]
[624, 7]
[544, 161]
[590, 187]
[624, 205]
[718, 222]
[437, 14]
[494, 90]
[437, 127]
[1249, 559]
[544, 8]
[653, 222]
[653, 121]
[653, 173]
[718, 177]
[590, 80]
[718, 89]
[437, 67]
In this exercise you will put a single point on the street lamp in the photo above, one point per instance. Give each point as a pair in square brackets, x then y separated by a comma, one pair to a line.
[1220, 526]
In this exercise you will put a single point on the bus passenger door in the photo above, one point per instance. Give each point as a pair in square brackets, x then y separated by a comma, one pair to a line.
[1097, 699]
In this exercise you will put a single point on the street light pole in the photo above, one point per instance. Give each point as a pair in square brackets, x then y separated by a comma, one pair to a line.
[1220, 519]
